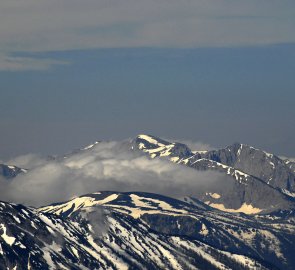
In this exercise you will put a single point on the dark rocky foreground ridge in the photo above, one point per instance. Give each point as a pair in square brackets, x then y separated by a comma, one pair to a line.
[135, 230]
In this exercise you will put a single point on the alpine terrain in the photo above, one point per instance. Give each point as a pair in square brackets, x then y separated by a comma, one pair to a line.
[243, 220]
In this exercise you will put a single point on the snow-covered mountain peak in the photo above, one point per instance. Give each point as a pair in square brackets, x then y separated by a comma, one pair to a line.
[134, 204]
[81, 202]
[150, 141]
[157, 147]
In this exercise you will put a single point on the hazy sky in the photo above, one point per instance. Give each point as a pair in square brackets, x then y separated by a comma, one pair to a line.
[215, 71]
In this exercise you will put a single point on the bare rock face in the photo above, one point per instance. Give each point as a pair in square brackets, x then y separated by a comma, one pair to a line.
[265, 166]
[252, 181]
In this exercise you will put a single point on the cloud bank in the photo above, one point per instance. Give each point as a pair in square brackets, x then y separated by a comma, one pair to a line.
[107, 166]
[16, 63]
[58, 25]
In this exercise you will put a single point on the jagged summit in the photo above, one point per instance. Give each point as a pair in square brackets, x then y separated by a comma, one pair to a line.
[153, 140]
[260, 180]
[158, 147]
[268, 167]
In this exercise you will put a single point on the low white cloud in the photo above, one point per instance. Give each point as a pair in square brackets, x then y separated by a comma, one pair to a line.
[108, 166]
[14, 63]
[56, 25]
[28, 161]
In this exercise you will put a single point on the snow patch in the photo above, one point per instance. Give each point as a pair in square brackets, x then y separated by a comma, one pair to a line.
[214, 195]
[77, 203]
[48, 259]
[149, 139]
[288, 193]
[174, 159]
[90, 146]
[204, 231]
[245, 208]
[8, 239]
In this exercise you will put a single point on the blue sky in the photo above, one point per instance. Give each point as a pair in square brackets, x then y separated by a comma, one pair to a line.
[210, 71]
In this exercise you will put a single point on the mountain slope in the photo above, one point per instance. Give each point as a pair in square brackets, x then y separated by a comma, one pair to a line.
[252, 180]
[137, 230]
[9, 171]
[268, 167]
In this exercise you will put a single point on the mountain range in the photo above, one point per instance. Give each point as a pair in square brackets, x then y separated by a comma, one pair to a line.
[254, 181]
[244, 219]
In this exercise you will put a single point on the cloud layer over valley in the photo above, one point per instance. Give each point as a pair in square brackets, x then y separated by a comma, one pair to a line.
[105, 166]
